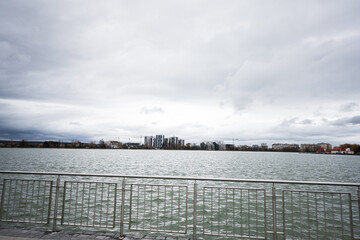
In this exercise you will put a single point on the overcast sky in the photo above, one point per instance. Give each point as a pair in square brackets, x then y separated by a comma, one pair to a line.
[253, 71]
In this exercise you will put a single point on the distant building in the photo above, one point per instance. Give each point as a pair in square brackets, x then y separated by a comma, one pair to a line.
[277, 146]
[173, 142]
[285, 147]
[207, 146]
[149, 141]
[338, 150]
[181, 143]
[264, 146]
[255, 147]
[309, 147]
[220, 146]
[159, 141]
[131, 145]
[113, 144]
[323, 150]
[230, 147]
[244, 148]
[217, 146]
[325, 146]
[166, 143]
[314, 147]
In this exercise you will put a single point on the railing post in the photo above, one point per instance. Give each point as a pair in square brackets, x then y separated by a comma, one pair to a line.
[274, 211]
[2, 199]
[195, 211]
[122, 209]
[358, 198]
[56, 202]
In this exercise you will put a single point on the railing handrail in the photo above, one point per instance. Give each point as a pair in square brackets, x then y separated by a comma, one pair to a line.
[184, 178]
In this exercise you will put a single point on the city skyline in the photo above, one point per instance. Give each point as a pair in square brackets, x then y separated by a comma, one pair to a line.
[243, 71]
[174, 143]
[157, 141]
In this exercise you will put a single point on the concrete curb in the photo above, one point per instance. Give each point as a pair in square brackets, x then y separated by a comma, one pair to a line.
[32, 233]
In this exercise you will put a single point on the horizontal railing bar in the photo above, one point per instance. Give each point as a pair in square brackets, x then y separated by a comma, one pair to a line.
[94, 226]
[117, 222]
[235, 236]
[303, 191]
[272, 232]
[235, 188]
[185, 178]
[29, 180]
[18, 221]
[160, 231]
[158, 185]
[90, 182]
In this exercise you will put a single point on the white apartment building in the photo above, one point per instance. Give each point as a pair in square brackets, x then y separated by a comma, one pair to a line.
[159, 141]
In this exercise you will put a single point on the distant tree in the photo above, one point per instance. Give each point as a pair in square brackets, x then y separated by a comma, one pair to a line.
[195, 147]
[77, 144]
[91, 145]
[23, 144]
[290, 149]
[353, 147]
[102, 144]
[345, 145]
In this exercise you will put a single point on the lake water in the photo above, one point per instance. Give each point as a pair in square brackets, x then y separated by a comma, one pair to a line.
[215, 164]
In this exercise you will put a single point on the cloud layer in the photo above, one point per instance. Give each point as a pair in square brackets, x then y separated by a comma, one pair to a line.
[250, 70]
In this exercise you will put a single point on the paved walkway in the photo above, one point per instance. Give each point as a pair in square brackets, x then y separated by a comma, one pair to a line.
[33, 233]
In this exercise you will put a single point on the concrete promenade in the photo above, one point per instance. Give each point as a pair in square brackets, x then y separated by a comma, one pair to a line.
[34, 233]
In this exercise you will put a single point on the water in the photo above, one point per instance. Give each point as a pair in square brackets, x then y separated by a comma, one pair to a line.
[243, 165]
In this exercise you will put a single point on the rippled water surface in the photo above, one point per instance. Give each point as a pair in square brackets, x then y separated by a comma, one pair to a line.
[253, 165]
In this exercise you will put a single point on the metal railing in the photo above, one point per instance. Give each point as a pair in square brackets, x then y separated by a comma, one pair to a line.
[182, 206]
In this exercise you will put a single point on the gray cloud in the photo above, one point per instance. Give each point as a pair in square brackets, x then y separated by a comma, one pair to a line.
[152, 110]
[296, 121]
[75, 123]
[99, 63]
[323, 131]
[349, 107]
[34, 133]
[306, 121]
[355, 120]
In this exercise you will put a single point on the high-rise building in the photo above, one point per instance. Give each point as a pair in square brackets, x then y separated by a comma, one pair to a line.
[166, 143]
[181, 143]
[309, 147]
[325, 145]
[173, 142]
[159, 141]
[149, 141]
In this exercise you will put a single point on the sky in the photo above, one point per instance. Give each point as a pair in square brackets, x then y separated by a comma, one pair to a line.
[243, 71]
